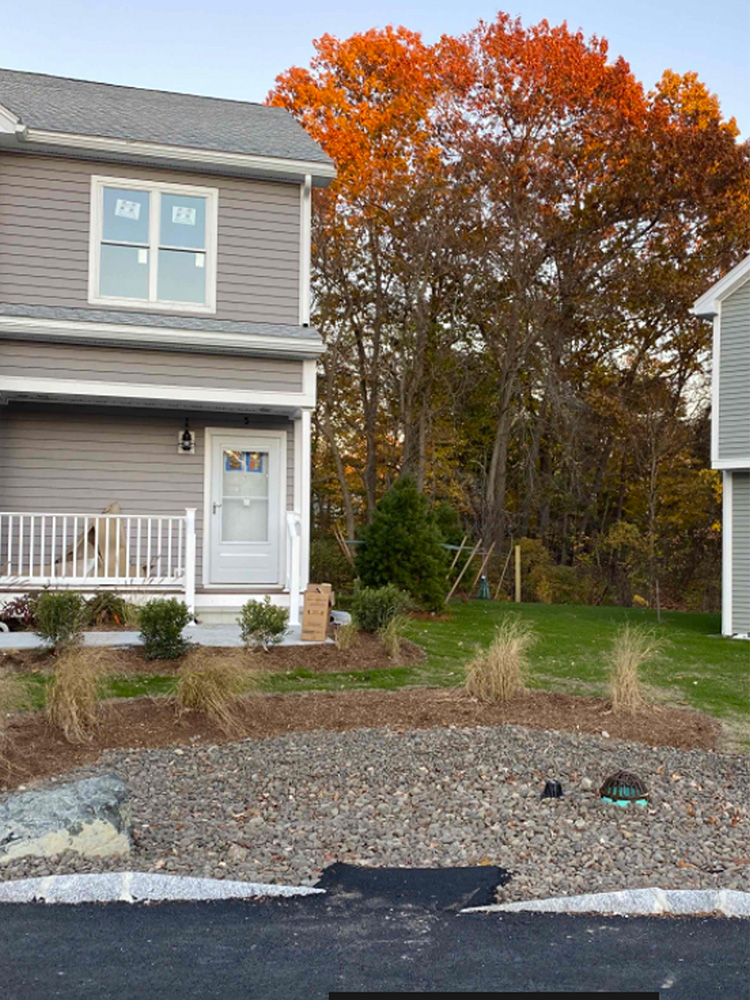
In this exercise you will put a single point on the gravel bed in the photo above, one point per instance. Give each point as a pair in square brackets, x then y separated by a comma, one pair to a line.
[282, 809]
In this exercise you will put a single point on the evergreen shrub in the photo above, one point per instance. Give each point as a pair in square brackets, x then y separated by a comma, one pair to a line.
[162, 621]
[403, 546]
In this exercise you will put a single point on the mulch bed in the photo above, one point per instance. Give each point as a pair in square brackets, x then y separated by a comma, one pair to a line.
[366, 654]
[36, 750]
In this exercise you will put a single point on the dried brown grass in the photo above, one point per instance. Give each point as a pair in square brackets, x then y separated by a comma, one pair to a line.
[346, 636]
[499, 672]
[633, 646]
[393, 633]
[214, 682]
[73, 698]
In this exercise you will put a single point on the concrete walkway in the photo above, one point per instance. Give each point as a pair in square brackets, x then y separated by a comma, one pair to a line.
[204, 635]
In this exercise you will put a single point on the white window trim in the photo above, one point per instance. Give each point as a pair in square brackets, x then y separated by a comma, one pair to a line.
[246, 433]
[155, 188]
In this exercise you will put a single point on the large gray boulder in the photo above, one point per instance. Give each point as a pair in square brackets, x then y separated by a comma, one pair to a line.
[90, 817]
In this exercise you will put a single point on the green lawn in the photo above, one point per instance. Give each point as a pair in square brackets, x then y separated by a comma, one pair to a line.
[697, 668]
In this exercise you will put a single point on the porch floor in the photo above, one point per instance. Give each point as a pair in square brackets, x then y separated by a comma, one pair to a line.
[205, 635]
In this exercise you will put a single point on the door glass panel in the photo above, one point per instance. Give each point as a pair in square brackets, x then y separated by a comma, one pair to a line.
[244, 502]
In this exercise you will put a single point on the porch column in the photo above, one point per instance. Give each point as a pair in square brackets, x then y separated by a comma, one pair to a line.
[302, 462]
[190, 559]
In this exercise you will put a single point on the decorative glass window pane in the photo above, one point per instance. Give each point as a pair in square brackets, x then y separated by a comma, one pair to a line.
[182, 276]
[125, 215]
[183, 221]
[123, 271]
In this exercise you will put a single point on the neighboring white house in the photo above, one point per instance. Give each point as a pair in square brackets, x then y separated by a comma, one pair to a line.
[727, 303]
[157, 364]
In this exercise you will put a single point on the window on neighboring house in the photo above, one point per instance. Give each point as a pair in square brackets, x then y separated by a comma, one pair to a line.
[153, 245]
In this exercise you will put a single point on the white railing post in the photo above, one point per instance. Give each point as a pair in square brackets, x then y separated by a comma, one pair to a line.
[190, 559]
[294, 525]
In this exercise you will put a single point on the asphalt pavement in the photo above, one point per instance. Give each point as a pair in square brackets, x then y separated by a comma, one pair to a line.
[349, 940]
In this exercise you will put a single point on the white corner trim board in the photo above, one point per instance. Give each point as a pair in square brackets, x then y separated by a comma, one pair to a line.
[21, 385]
[137, 335]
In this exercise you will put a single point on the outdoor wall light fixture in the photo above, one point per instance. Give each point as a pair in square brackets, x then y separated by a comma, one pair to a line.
[186, 440]
[552, 790]
[622, 788]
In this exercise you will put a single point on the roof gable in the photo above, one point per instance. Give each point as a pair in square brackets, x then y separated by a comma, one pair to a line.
[708, 304]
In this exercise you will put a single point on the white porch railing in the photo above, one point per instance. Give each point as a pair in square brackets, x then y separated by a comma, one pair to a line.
[294, 540]
[91, 550]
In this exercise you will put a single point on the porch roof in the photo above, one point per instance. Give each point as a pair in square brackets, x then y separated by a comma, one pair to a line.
[158, 330]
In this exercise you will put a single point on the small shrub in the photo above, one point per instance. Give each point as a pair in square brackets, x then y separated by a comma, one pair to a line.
[373, 607]
[20, 613]
[73, 698]
[60, 617]
[262, 624]
[162, 621]
[108, 608]
[632, 647]
[393, 633]
[499, 672]
[346, 636]
[212, 681]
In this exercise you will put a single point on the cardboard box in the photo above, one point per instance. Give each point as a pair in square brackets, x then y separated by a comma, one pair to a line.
[316, 612]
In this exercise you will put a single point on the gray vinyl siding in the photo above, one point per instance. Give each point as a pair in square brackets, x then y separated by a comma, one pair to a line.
[44, 235]
[734, 375]
[145, 367]
[77, 460]
[741, 552]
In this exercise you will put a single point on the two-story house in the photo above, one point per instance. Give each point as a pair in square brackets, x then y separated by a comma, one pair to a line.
[727, 304]
[157, 364]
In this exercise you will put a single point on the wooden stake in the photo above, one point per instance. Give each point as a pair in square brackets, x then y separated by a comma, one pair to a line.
[481, 568]
[518, 574]
[505, 567]
[342, 544]
[455, 558]
[460, 575]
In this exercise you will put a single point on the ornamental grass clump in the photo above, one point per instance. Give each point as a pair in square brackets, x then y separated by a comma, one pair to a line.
[393, 633]
[214, 682]
[73, 698]
[633, 646]
[262, 624]
[346, 636]
[500, 671]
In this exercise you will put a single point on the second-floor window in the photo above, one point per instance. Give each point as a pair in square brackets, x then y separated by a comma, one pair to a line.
[153, 245]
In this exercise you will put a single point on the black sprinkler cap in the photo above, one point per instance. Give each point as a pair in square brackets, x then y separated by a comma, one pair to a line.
[552, 790]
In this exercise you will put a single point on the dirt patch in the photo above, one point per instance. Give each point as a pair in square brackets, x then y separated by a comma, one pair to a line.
[366, 654]
[36, 750]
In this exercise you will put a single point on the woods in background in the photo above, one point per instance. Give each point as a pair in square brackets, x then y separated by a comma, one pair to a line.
[503, 273]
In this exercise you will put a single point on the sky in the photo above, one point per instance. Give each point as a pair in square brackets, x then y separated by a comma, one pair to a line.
[228, 48]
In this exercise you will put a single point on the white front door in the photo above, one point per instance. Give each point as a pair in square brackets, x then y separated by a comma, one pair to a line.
[244, 514]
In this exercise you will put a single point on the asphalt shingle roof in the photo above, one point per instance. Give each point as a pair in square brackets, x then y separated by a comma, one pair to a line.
[82, 107]
[164, 320]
